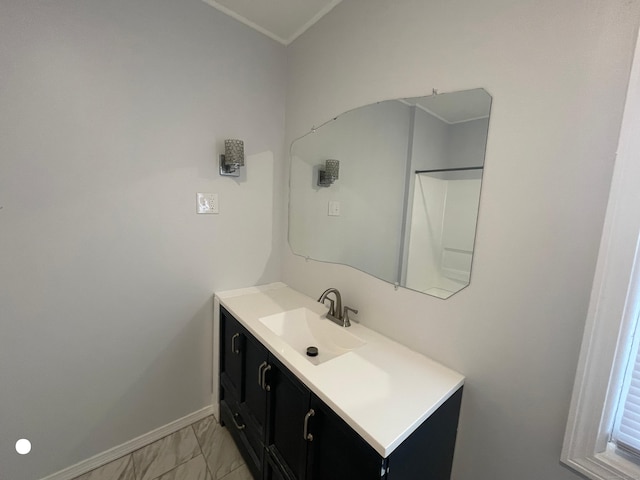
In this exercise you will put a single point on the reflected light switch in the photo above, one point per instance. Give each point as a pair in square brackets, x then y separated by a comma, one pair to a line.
[334, 208]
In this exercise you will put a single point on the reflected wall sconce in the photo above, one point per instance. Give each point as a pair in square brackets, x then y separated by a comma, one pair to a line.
[330, 173]
[232, 159]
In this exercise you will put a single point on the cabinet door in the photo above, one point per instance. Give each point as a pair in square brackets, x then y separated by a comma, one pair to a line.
[243, 402]
[254, 404]
[231, 358]
[428, 452]
[288, 407]
[338, 452]
[272, 470]
[256, 370]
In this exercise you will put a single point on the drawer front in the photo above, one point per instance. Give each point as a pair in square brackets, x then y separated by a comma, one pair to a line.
[241, 433]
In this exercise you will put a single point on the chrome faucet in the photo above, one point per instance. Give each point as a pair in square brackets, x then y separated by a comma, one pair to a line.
[336, 313]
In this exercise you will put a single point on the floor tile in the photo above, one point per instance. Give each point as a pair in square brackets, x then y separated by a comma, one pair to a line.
[218, 447]
[241, 473]
[121, 469]
[194, 469]
[167, 453]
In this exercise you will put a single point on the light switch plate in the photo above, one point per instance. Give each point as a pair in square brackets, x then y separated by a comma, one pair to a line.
[334, 208]
[207, 203]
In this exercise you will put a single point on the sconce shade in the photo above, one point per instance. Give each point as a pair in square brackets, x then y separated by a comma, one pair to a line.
[232, 159]
[332, 168]
[234, 152]
[330, 173]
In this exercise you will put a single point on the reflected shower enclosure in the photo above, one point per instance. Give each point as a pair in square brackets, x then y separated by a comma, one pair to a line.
[442, 230]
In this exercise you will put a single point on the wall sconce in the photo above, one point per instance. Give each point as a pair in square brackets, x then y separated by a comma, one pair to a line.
[330, 173]
[232, 159]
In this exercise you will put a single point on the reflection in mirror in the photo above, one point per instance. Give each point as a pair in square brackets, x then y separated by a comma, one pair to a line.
[405, 204]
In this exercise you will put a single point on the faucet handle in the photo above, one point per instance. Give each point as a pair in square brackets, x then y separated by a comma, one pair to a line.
[345, 316]
[332, 306]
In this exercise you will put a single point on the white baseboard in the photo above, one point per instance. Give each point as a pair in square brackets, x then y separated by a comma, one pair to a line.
[130, 446]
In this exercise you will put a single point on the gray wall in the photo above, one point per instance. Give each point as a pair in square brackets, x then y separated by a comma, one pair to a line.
[557, 72]
[430, 147]
[111, 117]
[467, 143]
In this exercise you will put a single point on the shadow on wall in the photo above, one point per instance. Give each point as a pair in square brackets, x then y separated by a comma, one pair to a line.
[271, 266]
[246, 225]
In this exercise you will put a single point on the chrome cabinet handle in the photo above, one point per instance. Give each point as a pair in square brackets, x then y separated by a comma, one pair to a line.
[263, 377]
[305, 432]
[260, 379]
[238, 426]
[233, 343]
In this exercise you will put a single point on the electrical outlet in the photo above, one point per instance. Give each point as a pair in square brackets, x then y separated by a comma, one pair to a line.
[207, 203]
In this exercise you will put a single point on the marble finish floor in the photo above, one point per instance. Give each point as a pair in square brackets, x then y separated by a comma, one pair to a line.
[202, 451]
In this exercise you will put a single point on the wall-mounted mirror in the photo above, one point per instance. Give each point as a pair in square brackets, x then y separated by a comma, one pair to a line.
[393, 189]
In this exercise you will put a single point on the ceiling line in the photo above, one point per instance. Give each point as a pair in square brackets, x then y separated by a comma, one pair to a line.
[313, 20]
[247, 22]
[321, 13]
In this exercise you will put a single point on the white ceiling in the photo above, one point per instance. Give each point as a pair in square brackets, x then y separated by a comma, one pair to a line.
[281, 20]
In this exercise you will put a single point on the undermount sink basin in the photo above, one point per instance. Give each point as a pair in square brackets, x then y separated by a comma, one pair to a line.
[301, 328]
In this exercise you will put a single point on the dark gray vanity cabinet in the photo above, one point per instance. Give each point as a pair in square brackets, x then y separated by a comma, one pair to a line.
[288, 407]
[307, 440]
[337, 452]
[243, 399]
[428, 452]
[285, 432]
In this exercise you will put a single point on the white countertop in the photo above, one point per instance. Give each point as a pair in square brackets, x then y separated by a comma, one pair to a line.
[382, 389]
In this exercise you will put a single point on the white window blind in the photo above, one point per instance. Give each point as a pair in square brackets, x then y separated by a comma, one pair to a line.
[626, 431]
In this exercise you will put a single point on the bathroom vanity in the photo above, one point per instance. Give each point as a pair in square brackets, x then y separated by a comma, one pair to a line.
[365, 407]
